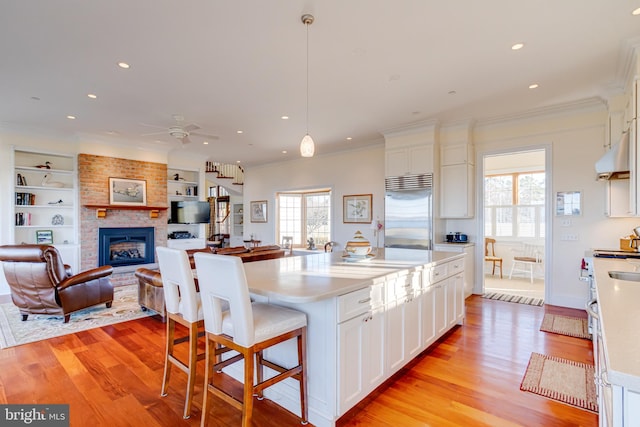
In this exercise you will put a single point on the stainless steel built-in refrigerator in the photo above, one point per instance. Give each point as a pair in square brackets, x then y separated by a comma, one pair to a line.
[409, 212]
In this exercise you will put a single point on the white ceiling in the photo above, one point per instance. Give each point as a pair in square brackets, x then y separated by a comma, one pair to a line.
[240, 65]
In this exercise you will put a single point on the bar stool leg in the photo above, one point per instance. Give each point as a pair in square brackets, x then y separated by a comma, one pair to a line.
[171, 327]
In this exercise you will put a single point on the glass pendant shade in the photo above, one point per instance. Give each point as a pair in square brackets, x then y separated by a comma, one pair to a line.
[307, 147]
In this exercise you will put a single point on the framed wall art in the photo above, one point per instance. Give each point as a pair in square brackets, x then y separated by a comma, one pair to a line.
[128, 192]
[259, 211]
[568, 203]
[44, 237]
[356, 208]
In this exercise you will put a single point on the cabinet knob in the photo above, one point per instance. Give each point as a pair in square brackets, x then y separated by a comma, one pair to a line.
[364, 301]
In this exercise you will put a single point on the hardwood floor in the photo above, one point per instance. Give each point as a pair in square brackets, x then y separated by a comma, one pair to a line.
[112, 376]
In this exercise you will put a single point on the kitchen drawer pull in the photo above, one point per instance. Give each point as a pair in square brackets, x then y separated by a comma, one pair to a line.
[590, 310]
[364, 301]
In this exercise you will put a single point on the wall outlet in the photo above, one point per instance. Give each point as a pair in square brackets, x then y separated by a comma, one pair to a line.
[565, 222]
[569, 237]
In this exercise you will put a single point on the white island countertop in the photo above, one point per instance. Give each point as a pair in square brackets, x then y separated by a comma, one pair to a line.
[619, 307]
[310, 278]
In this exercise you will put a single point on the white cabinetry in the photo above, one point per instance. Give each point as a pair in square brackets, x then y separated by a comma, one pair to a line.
[45, 201]
[409, 160]
[361, 333]
[456, 181]
[469, 269]
[403, 318]
[238, 219]
[185, 244]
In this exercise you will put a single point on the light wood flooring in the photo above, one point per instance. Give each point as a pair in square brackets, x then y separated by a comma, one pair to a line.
[111, 376]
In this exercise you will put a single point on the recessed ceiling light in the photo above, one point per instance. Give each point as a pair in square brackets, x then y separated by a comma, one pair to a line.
[517, 46]
[636, 12]
[533, 86]
[284, 151]
[238, 131]
[285, 117]
[92, 96]
[35, 98]
[349, 138]
[237, 161]
[452, 92]
[71, 117]
[205, 142]
[123, 65]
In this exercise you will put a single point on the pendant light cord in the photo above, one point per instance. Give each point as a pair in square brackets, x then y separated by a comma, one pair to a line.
[307, 24]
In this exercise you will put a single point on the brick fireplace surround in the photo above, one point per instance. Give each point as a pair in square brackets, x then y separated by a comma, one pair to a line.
[93, 176]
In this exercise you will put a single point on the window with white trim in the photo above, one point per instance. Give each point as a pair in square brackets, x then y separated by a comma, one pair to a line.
[514, 205]
[303, 215]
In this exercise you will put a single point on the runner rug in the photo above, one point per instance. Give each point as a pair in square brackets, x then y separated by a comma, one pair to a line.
[562, 380]
[513, 298]
[565, 325]
[13, 331]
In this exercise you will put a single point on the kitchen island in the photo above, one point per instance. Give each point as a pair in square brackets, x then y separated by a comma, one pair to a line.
[366, 319]
[617, 343]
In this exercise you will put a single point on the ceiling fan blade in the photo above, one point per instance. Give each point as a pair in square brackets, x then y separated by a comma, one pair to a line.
[151, 126]
[154, 133]
[190, 127]
[204, 135]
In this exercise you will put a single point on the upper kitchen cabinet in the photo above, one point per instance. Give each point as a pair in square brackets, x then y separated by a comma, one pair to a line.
[457, 181]
[409, 160]
[411, 150]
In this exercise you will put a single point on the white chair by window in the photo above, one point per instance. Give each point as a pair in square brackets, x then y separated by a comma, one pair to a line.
[184, 307]
[527, 260]
[248, 329]
[287, 244]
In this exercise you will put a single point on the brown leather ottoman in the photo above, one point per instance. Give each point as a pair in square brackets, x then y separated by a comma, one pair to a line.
[150, 291]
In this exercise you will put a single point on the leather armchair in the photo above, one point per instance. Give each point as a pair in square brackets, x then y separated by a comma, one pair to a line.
[42, 284]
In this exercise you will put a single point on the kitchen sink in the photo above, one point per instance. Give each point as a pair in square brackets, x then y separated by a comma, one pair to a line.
[633, 276]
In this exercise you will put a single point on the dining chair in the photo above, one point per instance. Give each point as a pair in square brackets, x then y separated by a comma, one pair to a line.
[183, 306]
[528, 258]
[490, 255]
[287, 244]
[248, 329]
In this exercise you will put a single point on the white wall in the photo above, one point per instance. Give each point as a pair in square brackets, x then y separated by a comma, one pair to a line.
[576, 141]
[349, 172]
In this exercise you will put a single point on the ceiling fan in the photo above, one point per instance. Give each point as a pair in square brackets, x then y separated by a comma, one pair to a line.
[180, 130]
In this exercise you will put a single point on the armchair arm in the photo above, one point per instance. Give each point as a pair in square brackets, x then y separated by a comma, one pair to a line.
[86, 276]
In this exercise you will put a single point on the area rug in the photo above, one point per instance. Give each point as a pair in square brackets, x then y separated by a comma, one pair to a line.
[565, 325]
[13, 331]
[562, 380]
[513, 298]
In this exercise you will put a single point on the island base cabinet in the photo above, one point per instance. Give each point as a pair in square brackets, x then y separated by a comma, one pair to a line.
[428, 317]
[361, 358]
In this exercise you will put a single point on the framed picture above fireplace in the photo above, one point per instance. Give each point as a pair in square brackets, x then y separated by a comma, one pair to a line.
[129, 192]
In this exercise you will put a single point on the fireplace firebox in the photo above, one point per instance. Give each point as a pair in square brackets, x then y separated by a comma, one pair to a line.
[125, 246]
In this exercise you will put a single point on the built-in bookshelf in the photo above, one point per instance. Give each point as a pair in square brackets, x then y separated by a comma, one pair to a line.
[45, 200]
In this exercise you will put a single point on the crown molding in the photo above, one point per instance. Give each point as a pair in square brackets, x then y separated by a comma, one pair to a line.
[588, 104]
[412, 128]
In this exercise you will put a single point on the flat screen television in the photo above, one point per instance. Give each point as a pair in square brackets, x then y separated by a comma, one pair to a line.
[189, 212]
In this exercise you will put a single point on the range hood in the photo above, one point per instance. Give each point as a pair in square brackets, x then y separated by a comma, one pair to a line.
[615, 163]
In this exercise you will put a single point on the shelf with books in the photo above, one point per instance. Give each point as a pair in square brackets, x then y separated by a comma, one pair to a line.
[45, 196]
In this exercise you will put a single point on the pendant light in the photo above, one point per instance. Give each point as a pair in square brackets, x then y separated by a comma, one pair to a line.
[307, 147]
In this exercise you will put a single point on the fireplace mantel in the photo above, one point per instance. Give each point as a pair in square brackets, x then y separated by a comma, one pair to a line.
[101, 210]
